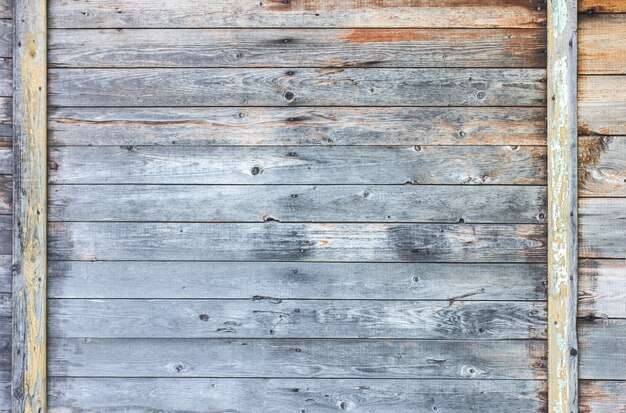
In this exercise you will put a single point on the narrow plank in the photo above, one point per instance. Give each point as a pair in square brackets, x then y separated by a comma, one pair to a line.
[6, 161]
[297, 242]
[595, 54]
[6, 230]
[602, 228]
[290, 203]
[297, 48]
[602, 349]
[314, 13]
[298, 165]
[602, 166]
[400, 281]
[6, 9]
[297, 126]
[6, 37]
[270, 317]
[5, 350]
[295, 395]
[6, 77]
[5, 274]
[601, 6]
[5, 388]
[597, 396]
[297, 87]
[6, 194]
[602, 288]
[280, 358]
[602, 105]
[6, 121]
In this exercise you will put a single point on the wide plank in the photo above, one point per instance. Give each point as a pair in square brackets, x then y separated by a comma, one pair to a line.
[5, 345]
[6, 277]
[6, 194]
[602, 105]
[602, 288]
[602, 349]
[298, 165]
[308, 13]
[6, 38]
[6, 160]
[596, 55]
[238, 126]
[297, 48]
[6, 77]
[6, 121]
[146, 395]
[597, 396]
[5, 386]
[6, 9]
[308, 280]
[602, 228]
[296, 203]
[297, 242]
[297, 87]
[602, 166]
[280, 358]
[601, 6]
[6, 230]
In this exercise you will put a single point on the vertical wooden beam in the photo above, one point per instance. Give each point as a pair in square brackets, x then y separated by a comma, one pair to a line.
[29, 198]
[562, 206]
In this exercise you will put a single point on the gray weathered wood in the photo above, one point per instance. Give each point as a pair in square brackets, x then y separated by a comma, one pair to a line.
[6, 38]
[5, 274]
[602, 228]
[271, 317]
[297, 242]
[298, 165]
[404, 281]
[6, 160]
[601, 105]
[5, 390]
[602, 396]
[6, 194]
[602, 166]
[6, 77]
[602, 288]
[143, 395]
[6, 227]
[6, 121]
[5, 349]
[297, 126]
[297, 48]
[276, 358]
[290, 203]
[297, 87]
[602, 349]
[6, 9]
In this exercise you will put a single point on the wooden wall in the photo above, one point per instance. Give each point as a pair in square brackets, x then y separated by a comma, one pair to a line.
[602, 205]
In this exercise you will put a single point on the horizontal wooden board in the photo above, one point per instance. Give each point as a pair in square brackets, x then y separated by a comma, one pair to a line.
[296, 87]
[314, 13]
[601, 6]
[298, 165]
[6, 77]
[5, 387]
[296, 126]
[297, 242]
[6, 194]
[597, 396]
[280, 358]
[6, 121]
[6, 160]
[400, 281]
[6, 37]
[602, 166]
[271, 317]
[6, 226]
[5, 274]
[6, 9]
[602, 349]
[143, 395]
[290, 203]
[602, 105]
[596, 55]
[602, 228]
[601, 288]
[297, 48]
[5, 345]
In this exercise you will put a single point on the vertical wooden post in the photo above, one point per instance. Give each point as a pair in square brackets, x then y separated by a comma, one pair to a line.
[562, 205]
[29, 200]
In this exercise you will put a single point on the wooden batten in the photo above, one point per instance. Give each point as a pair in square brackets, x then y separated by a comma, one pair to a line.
[29, 229]
[562, 207]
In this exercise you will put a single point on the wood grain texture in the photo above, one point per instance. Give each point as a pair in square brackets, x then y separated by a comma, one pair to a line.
[6, 231]
[279, 395]
[297, 242]
[6, 38]
[6, 195]
[596, 55]
[5, 274]
[309, 13]
[602, 288]
[602, 228]
[297, 48]
[292, 203]
[597, 396]
[602, 105]
[601, 6]
[383, 281]
[6, 121]
[6, 77]
[280, 358]
[602, 166]
[5, 390]
[6, 9]
[296, 126]
[6, 160]
[297, 87]
[298, 165]
[602, 349]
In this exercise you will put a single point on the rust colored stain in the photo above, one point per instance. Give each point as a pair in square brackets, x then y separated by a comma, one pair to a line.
[590, 152]
[386, 36]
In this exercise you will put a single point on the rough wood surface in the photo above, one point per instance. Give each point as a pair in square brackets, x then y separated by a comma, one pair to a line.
[602, 105]
[298, 165]
[279, 358]
[6, 160]
[6, 38]
[602, 166]
[602, 228]
[597, 396]
[291, 203]
[6, 195]
[602, 6]
[596, 55]
[279, 395]
[6, 77]
[309, 13]
[297, 242]
[602, 349]
[602, 288]
[383, 281]
[6, 121]
[6, 9]
[297, 87]
[297, 48]
[296, 126]
[5, 274]
[5, 390]
[6, 231]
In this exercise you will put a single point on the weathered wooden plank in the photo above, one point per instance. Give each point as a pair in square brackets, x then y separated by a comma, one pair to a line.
[272, 317]
[279, 13]
[142, 395]
[6, 9]
[602, 105]
[5, 274]
[280, 358]
[597, 396]
[297, 87]
[602, 349]
[297, 126]
[596, 55]
[298, 165]
[6, 37]
[6, 77]
[602, 228]
[6, 194]
[297, 48]
[5, 350]
[6, 160]
[5, 391]
[601, 291]
[289, 203]
[602, 166]
[6, 229]
[6, 121]
[401, 281]
[601, 6]
[297, 242]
